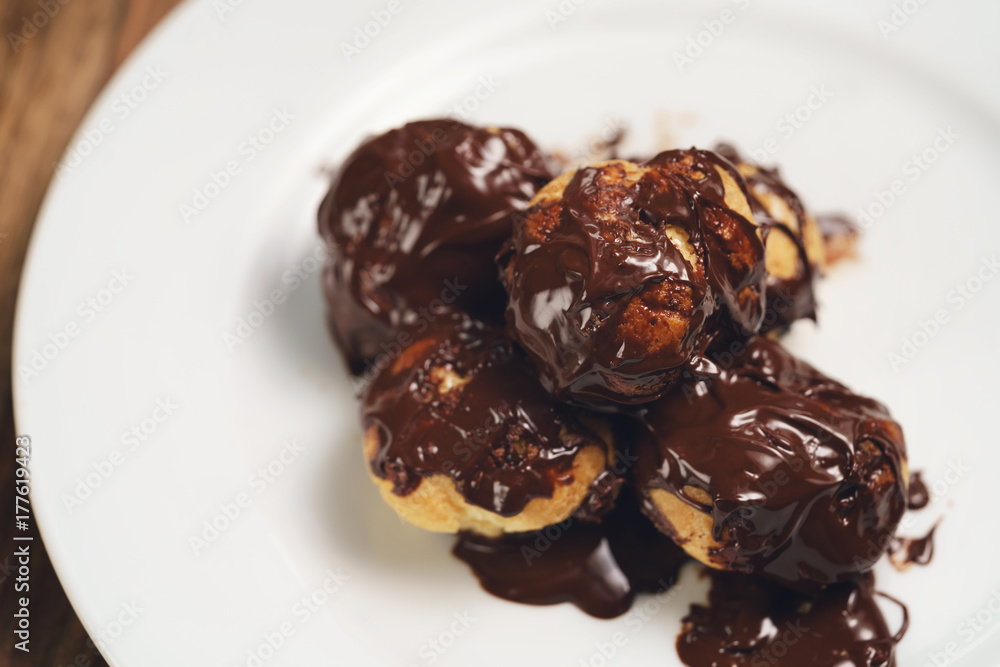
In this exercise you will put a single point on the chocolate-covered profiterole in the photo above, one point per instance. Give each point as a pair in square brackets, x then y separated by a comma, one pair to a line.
[774, 469]
[619, 274]
[751, 622]
[460, 435]
[413, 220]
[793, 243]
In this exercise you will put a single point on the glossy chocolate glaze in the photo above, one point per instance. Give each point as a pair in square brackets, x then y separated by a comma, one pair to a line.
[599, 567]
[751, 622]
[918, 496]
[587, 302]
[497, 434]
[414, 218]
[804, 476]
[788, 299]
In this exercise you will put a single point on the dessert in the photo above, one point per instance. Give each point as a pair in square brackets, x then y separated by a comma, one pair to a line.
[607, 400]
[793, 244]
[413, 220]
[460, 435]
[619, 275]
[774, 469]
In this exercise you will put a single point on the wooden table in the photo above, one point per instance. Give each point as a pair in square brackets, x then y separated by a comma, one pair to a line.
[55, 58]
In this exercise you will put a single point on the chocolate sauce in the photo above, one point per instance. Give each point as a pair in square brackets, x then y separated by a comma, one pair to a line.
[414, 218]
[804, 476]
[496, 433]
[788, 299]
[907, 551]
[607, 307]
[918, 497]
[750, 622]
[598, 567]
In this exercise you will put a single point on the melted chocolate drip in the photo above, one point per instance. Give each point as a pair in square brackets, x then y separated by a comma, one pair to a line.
[598, 567]
[907, 551]
[496, 433]
[413, 219]
[750, 622]
[918, 497]
[803, 474]
[606, 250]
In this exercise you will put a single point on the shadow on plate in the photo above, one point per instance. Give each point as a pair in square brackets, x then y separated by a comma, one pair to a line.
[355, 520]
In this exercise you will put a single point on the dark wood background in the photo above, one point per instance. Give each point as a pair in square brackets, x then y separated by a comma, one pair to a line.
[48, 78]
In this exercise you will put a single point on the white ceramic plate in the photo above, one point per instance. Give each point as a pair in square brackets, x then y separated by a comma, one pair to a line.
[209, 79]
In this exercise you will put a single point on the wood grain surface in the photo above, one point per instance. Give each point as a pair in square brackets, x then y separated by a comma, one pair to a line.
[55, 57]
